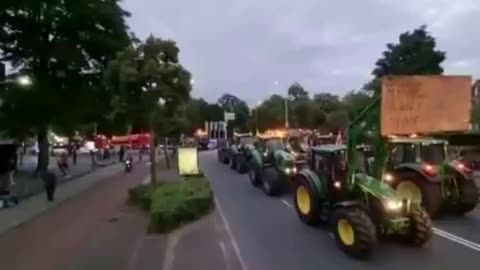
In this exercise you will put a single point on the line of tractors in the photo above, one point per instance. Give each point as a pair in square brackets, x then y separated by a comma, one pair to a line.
[370, 187]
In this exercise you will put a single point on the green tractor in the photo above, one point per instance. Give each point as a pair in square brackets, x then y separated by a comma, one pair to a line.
[223, 151]
[344, 186]
[237, 152]
[337, 190]
[297, 146]
[270, 165]
[419, 169]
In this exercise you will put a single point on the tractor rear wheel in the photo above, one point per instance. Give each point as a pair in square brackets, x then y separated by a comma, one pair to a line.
[306, 202]
[253, 172]
[271, 181]
[468, 192]
[241, 164]
[421, 227]
[418, 189]
[354, 231]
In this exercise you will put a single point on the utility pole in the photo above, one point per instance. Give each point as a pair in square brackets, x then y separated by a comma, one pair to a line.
[286, 113]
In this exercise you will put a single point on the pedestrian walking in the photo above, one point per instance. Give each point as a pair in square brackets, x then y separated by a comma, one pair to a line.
[74, 154]
[50, 183]
[94, 160]
[62, 163]
[121, 153]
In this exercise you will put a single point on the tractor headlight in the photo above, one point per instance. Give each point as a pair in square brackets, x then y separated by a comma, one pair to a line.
[393, 205]
[290, 170]
[388, 177]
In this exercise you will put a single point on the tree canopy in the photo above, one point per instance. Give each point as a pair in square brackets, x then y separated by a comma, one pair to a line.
[142, 77]
[63, 46]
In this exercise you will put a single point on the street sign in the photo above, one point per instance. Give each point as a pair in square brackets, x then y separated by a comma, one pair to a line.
[229, 116]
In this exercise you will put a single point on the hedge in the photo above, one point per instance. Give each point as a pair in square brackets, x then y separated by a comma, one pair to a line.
[172, 204]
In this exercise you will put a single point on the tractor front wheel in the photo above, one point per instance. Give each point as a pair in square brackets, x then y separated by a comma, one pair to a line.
[468, 192]
[306, 203]
[354, 232]
[420, 228]
[418, 189]
[271, 181]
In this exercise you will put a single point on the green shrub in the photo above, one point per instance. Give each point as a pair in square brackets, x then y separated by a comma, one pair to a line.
[172, 204]
[177, 203]
[142, 195]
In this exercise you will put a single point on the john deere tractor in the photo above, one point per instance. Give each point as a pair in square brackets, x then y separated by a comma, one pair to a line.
[237, 154]
[270, 165]
[419, 169]
[345, 186]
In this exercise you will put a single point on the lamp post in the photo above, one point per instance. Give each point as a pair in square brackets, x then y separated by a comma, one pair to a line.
[21, 80]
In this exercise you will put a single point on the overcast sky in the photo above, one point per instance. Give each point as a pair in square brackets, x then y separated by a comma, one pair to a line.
[244, 46]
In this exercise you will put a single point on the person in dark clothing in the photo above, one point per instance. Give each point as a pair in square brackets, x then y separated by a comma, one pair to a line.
[121, 153]
[50, 182]
[74, 154]
[94, 160]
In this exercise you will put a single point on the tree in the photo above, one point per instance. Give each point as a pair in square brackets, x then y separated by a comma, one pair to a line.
[232, 103]
[337, 120]
[144, 77]
[141, 76]
[355, 102]
[297, 91]
[271, 113]
[414, 54]
[327, 102]
[61, 45]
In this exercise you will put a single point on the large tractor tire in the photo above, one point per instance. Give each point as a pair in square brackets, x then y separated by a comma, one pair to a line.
[417, 188]
[241, 164]
[253, 172]
[222, 157]
[272, 183]
[468, 192]
[421, 227]
[306, 201]
[354, 231]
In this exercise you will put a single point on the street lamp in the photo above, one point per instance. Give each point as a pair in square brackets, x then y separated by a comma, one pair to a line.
[21, 80]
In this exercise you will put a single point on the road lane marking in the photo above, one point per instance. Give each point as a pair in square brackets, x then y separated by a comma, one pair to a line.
[456, 239]
[287, 203]
[225, 254]
[232, 237]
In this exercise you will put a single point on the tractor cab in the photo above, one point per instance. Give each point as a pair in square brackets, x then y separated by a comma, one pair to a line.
[416, 150]
[329, 162]
[243, 139]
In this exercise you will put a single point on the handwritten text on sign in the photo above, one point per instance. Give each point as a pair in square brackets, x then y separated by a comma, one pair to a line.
[425, 104]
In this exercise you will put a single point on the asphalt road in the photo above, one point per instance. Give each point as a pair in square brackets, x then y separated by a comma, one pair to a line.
[270, 236]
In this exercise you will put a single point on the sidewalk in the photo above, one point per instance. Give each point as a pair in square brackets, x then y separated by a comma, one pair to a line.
[37, 204]
[27, 185]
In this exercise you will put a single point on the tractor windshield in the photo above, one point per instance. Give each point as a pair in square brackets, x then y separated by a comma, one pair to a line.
[245, 140]
[275, 144]
[432, 153]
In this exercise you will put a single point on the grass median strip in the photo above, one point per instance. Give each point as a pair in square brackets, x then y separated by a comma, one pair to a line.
[171, 204]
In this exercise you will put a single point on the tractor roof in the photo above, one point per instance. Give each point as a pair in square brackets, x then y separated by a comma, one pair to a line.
[240, 135]
[415, 140]
[329, 148]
